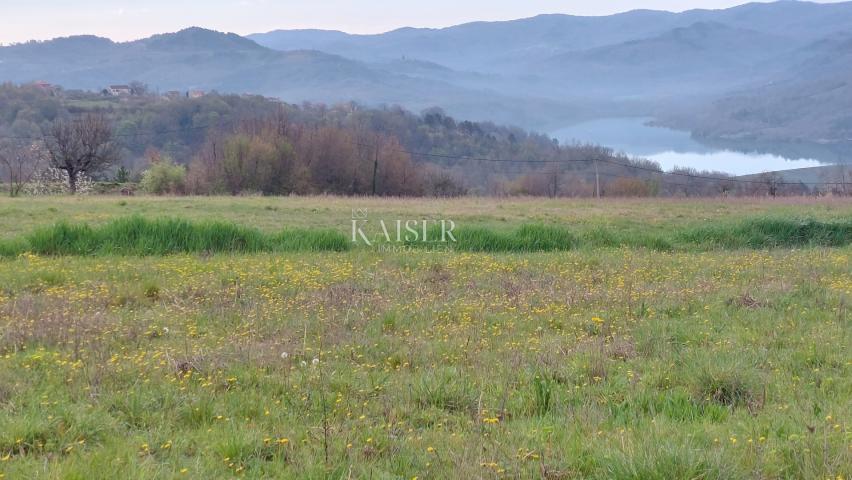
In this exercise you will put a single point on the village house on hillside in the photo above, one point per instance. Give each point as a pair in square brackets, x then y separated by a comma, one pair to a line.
[120, 90]
[45, 86]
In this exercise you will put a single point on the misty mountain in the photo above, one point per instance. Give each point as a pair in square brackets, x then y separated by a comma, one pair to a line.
[704, 56]
[802, 21]
[193, 58]
[691, 70]
[502, 46]
[715, 42]
[202, 59]
[483, 46]
[810, 102]
[640, 62]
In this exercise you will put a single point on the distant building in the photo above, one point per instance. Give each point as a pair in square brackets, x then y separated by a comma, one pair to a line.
[43, 85]
[195, 93]
[173, 95]
[120, 90]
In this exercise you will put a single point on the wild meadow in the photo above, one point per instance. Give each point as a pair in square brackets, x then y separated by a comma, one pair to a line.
[562, 339]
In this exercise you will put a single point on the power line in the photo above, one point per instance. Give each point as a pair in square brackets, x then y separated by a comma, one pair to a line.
[552, 174]
[478, 159]
[707, 177]
[152, 133]
[625, 165]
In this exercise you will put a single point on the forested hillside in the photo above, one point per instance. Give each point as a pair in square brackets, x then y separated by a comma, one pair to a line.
[809, 102]
[236, 144]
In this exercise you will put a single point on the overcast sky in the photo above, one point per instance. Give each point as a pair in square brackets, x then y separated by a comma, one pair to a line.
[127, 20]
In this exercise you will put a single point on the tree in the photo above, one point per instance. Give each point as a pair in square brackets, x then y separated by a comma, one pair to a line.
[81, 145]
[138, 89]
[21, 164]
[122, 175]
[772, 180]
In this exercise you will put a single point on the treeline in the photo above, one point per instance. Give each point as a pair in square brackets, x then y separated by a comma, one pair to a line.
[243, 144]
[277, 156]
[176, 127]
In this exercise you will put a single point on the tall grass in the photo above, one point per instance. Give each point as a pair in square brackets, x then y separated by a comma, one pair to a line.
[769, 233]
[760, 233]
[527, 238]
[140, 236]
[301, 240]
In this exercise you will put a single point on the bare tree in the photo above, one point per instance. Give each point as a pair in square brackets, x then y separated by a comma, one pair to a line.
[772, 180]
[138, 89]
[21, 164]
[82, 145]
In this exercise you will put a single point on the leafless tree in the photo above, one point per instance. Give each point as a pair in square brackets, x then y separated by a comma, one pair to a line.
[21, 163]
[138, 89]
[81, 145]
[772, 180]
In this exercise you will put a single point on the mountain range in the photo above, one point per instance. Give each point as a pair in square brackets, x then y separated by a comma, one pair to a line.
[760, 70]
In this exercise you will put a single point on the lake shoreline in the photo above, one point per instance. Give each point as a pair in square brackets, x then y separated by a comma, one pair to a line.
[638, 137]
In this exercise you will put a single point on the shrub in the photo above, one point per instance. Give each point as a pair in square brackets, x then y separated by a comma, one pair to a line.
[122, 175]
[164, 177]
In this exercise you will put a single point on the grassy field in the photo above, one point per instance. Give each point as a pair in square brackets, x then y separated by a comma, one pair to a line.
[21, 215]
[710, 362]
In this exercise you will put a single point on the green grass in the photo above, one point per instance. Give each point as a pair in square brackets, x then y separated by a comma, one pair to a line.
[772, 232]
[640, 346]
[140, 236]
[20, 216]
[527, 238]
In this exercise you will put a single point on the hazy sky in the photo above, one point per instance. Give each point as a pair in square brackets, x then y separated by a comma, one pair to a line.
[22, 20]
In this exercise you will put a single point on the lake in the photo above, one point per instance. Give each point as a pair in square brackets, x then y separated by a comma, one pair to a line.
[673, 148]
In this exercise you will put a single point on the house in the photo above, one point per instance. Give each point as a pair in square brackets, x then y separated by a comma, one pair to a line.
[120, 90]
[173, 95]
[43, 85]
[195, 93]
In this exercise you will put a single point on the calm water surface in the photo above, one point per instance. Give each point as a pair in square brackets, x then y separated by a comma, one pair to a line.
[673, 148]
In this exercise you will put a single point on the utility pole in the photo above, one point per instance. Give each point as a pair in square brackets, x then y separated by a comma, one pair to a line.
[555, 181]
[375, 164]
[556, 172]
[597, 181]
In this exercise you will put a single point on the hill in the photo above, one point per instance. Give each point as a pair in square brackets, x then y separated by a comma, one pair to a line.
[809, 101]
[320, 138]
[202, 59]
[827, 173]
[705, 56]
[690, 69]
[509, 45]
[642, 62]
